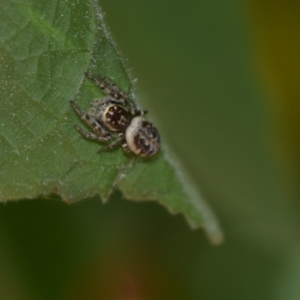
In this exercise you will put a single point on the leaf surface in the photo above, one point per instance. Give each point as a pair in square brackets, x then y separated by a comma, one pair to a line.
[46, 46]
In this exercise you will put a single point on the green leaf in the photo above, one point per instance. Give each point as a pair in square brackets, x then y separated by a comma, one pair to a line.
[46, 46]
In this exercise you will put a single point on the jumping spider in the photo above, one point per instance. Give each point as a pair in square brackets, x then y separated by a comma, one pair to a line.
[115, 119]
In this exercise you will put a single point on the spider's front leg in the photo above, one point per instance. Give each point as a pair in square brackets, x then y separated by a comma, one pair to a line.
[112, 89]
[106, 100]
[92, 136]
[91, 122]
[114, 144]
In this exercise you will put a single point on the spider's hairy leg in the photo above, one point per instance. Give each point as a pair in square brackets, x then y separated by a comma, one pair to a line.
[106, 100]
[108, 86]
[111, 89]
[92, 136]
[91, 122]
[113, 145]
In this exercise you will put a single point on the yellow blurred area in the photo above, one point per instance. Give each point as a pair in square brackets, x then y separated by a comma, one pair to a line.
[277, 48]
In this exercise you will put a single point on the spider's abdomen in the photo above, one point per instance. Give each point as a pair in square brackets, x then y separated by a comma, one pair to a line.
[115, 117]
[142, 137]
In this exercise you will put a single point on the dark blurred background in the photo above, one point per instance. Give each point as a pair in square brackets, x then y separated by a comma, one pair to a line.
[221, 78]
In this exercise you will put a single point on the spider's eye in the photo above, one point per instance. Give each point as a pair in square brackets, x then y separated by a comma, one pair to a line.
[150, 130]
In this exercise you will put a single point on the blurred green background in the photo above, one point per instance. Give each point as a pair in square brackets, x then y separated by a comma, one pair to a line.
[221, 78]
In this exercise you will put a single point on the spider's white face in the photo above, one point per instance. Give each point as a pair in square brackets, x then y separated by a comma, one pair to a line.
[142, 137]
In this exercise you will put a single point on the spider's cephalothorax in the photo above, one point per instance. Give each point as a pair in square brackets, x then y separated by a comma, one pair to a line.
[115, 119]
